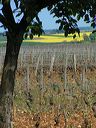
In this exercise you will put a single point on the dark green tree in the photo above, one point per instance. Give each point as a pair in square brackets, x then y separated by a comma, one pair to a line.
[35, 28]
[65, 10]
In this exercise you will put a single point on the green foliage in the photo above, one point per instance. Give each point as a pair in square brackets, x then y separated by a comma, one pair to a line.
[26, 35]
[93, 36]
[31, 36]
[66, 10]
[35, 28]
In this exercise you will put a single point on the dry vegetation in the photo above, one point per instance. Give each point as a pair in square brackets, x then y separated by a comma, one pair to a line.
[55, 106]
[55, 87]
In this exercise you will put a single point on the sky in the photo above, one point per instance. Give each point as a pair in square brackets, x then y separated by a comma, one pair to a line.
[49, 22]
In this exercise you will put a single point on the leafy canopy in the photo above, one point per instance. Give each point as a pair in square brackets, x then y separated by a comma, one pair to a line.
[69, 12]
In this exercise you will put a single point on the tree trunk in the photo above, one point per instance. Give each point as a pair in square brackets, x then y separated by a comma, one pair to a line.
[8, 79]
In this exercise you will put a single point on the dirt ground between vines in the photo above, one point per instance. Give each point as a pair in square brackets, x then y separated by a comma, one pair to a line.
[52, 119]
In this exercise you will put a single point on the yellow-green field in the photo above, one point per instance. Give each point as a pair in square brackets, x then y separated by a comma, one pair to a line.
[57, 38]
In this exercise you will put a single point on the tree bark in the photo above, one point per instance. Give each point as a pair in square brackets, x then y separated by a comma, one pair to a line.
[8, 79]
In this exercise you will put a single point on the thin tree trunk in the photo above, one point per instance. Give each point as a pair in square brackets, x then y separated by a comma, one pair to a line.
[8, 80]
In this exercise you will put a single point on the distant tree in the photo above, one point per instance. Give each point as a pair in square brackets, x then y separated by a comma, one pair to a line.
[35, 28]
[65, 10]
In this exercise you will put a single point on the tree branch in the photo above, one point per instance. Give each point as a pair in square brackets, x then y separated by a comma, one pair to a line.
[8, 14]
[3, 20]
[34, 7]
[45, 3]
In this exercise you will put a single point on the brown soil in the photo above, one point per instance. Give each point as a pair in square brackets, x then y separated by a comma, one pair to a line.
[52, 120]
